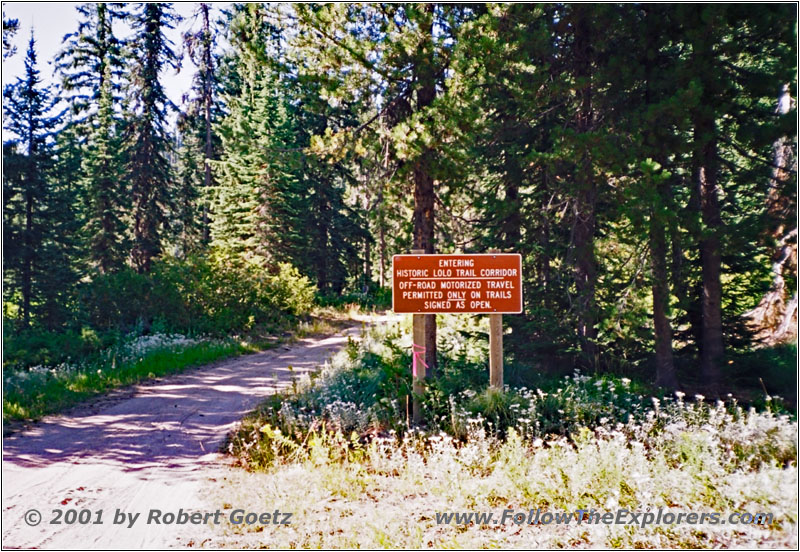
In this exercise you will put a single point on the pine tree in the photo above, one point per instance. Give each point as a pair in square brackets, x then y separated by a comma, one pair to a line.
[91, 66]
[91, 56]
[737, 59]
[321, 232]
[10, 28]
[252, 135]
[28, 160]
[104, 191]
[147, 143]
[200, 46]
[191, 196]
[63, 249]
[655, 114]
[399, 53]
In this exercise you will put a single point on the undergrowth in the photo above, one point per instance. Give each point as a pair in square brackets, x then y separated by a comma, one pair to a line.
[580, 442]
[32, 392]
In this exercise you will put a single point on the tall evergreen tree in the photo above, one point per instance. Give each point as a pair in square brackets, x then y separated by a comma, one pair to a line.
[253, 134]
[92, 55]
[190, 195]
[27, 194]
[318, 231]
[399, 53]
[104, 190]
[147, 142]
[736, 61]
[91, 65]
[199, 120]
[10, 28]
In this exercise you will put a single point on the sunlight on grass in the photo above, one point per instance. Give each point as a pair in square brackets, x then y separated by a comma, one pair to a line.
[588, 442]
[30, 394]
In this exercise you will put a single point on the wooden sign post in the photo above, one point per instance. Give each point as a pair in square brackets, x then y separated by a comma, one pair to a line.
[496, 350]
[488, 283]
[418, 360]
[496, 346]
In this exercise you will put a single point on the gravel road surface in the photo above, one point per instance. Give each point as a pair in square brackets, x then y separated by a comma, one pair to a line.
[151, 447]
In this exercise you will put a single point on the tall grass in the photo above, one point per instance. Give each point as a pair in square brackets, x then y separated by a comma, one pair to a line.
[584, 442]
[31, 393]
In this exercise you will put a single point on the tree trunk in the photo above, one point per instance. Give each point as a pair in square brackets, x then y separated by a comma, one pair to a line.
[713, 350]
[367, 264]
[692, 290]
[789, 315]
[382, 238]
[207, 99]
[544, 243]
[322, 248]
[27, 266]
[665, 368]
[28, 252]
[512, 222]
[662, 329]
[423, 181]
[770, 315]
[706, 159]
[586, 199]
[423, 207]
[769, 318]
[423, 239]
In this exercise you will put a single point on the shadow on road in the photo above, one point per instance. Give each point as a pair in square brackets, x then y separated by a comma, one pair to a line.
[173, 422]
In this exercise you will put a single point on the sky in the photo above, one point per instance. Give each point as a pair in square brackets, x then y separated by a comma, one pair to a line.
[50, 21]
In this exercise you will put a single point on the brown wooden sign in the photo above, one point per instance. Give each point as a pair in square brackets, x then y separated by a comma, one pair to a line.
[489, 283]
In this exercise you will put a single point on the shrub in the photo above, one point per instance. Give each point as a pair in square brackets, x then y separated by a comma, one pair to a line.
[366, 389]
[291, 292]
[217, 296]
[378, 298]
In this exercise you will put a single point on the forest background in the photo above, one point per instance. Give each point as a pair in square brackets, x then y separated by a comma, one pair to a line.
[640, 157]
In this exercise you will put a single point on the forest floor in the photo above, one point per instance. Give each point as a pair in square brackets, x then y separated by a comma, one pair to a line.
[150, 446]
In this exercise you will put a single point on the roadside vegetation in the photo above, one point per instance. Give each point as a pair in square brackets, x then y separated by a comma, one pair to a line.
[32, 392]
[562, 444]
[129, 327]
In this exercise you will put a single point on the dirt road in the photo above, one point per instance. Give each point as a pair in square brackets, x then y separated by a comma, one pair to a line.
[154, 449]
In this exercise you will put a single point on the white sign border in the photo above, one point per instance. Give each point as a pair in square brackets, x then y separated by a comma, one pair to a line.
[521, 299]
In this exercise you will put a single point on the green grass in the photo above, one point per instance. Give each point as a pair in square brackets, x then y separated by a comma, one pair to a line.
[29, 395]
[72, 368]
[583, 442]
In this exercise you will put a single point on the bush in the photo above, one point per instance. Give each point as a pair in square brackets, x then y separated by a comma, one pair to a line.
[38, 346]
[29, 393]
[366, 388]
[122, 300]
[376, 299]
[216, 296]
[291, 292]
[199, 295]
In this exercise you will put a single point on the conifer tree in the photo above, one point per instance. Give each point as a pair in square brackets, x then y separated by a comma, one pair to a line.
[104, 190]
[254, 135]
[26, 189]
[399, 53]
[92, 55]
[147, 142]
[737, 58]
[10, 28]
[191, 196]
[200, 46]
